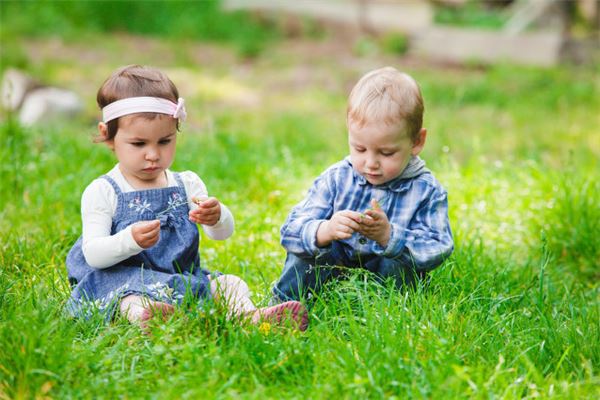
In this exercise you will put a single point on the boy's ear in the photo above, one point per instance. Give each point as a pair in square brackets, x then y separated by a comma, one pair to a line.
[103, 131]
[420, 142]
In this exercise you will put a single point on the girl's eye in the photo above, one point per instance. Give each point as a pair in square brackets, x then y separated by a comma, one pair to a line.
[138, 144]
[165, 141]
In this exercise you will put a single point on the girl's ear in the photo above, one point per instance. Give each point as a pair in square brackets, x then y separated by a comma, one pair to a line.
[103, 131]
[420, 142]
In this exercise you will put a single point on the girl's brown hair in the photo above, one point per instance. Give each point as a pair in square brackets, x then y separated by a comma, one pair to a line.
[135, 81]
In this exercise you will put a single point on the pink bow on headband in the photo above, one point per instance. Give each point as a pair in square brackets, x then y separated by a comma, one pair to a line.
[180, 110]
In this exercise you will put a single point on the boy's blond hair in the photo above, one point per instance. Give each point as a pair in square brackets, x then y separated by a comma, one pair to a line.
[389, 96]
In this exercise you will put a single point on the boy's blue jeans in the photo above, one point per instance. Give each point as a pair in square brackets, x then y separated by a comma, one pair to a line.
[302, 276]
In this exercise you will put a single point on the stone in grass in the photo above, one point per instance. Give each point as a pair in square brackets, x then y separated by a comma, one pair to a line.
[49, 103]
[37, 103]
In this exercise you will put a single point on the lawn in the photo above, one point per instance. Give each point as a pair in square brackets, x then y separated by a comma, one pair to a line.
[514, 313]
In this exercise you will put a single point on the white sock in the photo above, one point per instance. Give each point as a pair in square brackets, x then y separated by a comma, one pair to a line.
[133, 306]
[234, 292]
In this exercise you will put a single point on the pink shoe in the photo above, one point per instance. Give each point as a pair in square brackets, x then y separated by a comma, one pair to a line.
[156, 310]
[283, 314]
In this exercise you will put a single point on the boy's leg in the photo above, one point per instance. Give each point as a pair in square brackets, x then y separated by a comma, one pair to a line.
[302, 276]
[404, 276]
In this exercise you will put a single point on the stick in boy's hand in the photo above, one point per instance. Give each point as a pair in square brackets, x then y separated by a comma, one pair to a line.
[375, 225]
[146, 233]
[208, 211]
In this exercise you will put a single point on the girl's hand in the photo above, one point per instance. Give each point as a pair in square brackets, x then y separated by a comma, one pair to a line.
[375, 225]
[146, 233]
[207, 213]
[341, 226]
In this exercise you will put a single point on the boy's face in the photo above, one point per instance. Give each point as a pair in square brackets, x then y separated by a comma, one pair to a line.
[380, 152]
[145, 148]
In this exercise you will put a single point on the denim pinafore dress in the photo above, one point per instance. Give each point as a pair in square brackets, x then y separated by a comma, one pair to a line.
[164, 272]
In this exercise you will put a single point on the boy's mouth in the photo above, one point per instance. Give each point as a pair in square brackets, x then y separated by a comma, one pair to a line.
[371, 176]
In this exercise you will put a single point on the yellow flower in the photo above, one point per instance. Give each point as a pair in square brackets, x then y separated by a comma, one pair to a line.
[264, 328]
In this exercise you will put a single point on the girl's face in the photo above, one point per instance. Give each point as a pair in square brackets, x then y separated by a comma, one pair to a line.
[380, 152]
[145, 148]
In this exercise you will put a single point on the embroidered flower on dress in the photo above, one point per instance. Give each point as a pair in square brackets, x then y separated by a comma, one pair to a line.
[162, 291]
[173, 202]
[86, 307]
[139, 206]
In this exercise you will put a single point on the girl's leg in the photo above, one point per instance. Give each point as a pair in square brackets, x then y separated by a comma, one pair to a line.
[236, 295]
[139, 309]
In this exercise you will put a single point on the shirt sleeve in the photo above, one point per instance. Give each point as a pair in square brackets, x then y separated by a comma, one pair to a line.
[100, 248]
[299, 232]
[427, 241]
[195, 187]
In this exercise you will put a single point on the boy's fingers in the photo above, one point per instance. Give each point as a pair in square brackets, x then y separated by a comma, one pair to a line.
[344, 232]
[374, 214]
[375, 204]
[353, 215]
[353, 225]
[368, 220]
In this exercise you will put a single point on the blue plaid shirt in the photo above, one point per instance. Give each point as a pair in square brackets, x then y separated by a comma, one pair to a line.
[417, 209]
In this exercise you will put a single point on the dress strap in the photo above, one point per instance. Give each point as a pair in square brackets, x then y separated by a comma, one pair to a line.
[178, 179]
[113, 184]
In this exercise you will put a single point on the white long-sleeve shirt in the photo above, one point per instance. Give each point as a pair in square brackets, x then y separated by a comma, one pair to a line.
[98, 207]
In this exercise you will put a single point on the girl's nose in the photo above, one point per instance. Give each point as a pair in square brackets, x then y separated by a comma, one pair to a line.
[152, 154]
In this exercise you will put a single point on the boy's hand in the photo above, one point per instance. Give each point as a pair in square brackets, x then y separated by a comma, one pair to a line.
[376, 225]
[207, 213]
[341, 226]
[146, 233]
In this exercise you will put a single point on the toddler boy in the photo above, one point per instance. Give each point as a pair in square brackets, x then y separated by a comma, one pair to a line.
[379, 209]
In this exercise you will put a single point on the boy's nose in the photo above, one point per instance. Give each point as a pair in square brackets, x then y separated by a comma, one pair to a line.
[372, 162]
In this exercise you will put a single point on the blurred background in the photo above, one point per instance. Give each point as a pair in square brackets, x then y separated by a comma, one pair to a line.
[238, 34]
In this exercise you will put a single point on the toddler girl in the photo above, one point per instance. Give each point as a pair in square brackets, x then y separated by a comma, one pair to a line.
[138, 253]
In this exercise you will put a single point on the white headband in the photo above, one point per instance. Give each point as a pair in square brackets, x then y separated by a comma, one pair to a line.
[132, 105]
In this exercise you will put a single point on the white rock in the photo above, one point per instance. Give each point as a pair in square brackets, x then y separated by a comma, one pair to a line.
[15, 85]
[49, 103]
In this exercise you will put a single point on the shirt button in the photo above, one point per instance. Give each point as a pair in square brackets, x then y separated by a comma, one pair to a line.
[362, 240]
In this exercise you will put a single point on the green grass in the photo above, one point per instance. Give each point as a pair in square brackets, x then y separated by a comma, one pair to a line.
[514, 313]
[473, 13]
[180, 20]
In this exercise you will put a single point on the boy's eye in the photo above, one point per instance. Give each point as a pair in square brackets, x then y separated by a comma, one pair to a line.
[359, 149]
[387, 153]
